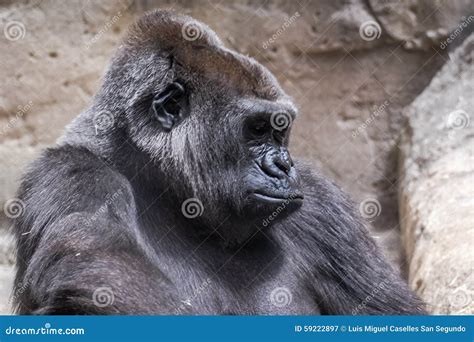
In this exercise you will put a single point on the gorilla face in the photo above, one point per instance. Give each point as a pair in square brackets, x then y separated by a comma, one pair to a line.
[233, 151]
[271, 178]
[242, 140]
[230, 152]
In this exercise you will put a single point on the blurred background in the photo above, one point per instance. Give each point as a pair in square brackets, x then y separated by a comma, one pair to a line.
[385, 90]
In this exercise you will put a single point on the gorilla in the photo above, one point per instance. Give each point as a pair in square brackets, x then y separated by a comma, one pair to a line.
[174, 193]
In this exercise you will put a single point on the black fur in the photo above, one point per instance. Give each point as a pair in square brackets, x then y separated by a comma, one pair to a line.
[103, 209]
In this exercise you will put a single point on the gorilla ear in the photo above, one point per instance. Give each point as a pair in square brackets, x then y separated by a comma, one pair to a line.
[169, 106]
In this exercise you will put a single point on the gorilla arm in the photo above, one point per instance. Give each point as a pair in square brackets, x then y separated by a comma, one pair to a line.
[82, 255]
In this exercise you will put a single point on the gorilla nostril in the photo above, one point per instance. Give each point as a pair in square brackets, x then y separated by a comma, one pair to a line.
[283, 161]
[284, 165]
[270, 167]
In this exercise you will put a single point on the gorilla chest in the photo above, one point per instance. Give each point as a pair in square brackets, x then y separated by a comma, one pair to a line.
[240, 284]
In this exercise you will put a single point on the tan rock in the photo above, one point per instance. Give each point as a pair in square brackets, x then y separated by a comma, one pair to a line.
[437, 187]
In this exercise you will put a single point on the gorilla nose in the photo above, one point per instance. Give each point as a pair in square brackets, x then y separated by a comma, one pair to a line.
[277, 164]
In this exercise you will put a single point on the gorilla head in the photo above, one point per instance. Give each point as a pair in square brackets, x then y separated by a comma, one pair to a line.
[215, 124]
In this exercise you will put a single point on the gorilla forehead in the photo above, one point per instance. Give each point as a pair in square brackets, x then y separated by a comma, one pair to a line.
[203, 54]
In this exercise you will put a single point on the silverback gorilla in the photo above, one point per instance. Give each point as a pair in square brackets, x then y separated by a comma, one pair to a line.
[175, 193]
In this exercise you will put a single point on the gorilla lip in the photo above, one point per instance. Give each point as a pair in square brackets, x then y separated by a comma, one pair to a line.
[275, 198]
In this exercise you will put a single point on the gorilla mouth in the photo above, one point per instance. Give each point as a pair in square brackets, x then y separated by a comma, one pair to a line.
[277, 198]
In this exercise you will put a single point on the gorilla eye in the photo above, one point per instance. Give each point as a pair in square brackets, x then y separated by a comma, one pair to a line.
[258, 129]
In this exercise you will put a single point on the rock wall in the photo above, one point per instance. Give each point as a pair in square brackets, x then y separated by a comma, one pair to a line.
[437, 187]
[352, 66]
